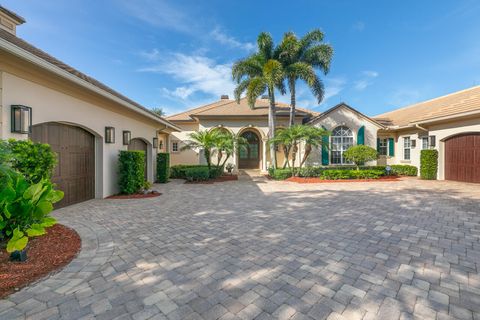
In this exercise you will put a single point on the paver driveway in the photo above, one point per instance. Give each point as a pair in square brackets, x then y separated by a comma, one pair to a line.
[263, 249]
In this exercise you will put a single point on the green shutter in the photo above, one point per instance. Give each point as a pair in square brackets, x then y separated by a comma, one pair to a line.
[391, 147]
[361, 135]
[378, 144]
[325, 149]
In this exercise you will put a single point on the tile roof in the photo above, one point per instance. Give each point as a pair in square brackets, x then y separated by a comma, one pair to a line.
[230, 108]
[456, 103]
[20, 43]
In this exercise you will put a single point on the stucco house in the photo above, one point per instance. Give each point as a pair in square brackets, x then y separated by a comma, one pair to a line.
[85, 122]
[450, 124]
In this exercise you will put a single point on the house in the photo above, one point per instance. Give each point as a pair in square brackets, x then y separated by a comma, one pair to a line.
[85, 122]
[238, 118]
[450, 124]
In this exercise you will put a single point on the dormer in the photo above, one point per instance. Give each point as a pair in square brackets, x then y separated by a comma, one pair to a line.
[10, 20]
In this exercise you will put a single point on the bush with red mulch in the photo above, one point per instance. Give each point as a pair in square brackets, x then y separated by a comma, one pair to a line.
[45, 254]
[319, 180]
[224, 178]
[152, 194]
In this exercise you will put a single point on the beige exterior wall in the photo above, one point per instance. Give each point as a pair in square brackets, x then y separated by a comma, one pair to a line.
[185, 156]
[58, 102]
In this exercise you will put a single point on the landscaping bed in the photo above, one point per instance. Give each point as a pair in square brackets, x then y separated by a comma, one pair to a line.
[320, 180]
[45, 254]
[225, 178]
[151, 194]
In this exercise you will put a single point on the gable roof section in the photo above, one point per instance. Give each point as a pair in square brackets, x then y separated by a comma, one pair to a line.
[230, 108]
[451, 105]
[21, 47]
[12, 15]
[344, 105]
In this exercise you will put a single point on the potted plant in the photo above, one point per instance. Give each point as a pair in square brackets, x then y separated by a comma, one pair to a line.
[229, 167]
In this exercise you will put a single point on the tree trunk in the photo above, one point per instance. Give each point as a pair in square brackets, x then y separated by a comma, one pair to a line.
[292, 101]
[226, 159]
[271, 127]
[308, 150]
[219, 157]
[294, 155]
[286, 152]
[206, 153]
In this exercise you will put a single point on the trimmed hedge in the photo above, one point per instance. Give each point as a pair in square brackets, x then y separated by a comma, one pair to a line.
[404, 170]
[163, 167]
[179, 171]
[352, 174]
[428, 164]
[197, 174]
[279, 174]
[131, 171]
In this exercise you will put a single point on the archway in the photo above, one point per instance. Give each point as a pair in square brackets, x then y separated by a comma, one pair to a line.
[249, 157]
[137, 144]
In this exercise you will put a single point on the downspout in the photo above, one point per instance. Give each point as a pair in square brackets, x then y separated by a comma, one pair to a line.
[420, 127]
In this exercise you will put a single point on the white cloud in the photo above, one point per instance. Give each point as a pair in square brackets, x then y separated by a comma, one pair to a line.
[333, 87]
[152, 55]
[195, 74]
[218, 35]
[359, 26]
[366, 80]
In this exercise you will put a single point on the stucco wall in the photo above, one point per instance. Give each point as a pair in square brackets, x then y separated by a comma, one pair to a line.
[185, 156]
[50, 105]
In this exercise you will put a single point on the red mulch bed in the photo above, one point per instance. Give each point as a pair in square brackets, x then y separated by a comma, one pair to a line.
[232, 177]
[152, 194]
[45, 254]
[319, 180]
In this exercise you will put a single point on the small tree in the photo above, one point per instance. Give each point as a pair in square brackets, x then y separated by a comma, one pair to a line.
[290, 138]
[205, 140]
[313, 137]
[360, 154]
[226, 144]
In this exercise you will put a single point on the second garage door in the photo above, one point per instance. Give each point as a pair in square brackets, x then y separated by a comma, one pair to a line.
[75, 171]
[462, 158]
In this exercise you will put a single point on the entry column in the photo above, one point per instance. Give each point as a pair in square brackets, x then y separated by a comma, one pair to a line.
[264, 155]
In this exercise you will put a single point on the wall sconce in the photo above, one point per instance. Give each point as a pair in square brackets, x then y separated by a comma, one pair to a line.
[109, 135]
[21, 119]
[160, 145]
[127, 136]
[155, 143]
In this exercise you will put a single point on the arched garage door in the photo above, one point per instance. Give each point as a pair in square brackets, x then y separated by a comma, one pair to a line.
[75, 171]
[462, 158]
[138, 144]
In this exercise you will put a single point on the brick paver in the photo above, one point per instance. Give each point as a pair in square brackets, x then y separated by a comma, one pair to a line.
[270, 250]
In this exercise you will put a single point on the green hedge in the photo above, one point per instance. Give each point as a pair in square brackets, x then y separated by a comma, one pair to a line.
[279, 174]
[33, 160]
[428, 164]
[163, 167]
[131, 171]
[352, 174]
[404, 170]
[197, 174]
[179, 171]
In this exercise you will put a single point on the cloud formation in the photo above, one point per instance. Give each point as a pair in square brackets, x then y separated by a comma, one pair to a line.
[366, 80]
[221, 37]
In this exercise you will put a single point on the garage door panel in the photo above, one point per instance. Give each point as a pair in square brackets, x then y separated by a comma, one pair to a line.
[462, 158]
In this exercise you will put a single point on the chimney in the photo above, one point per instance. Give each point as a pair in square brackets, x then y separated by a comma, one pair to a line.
[10, 20]
[224, 97]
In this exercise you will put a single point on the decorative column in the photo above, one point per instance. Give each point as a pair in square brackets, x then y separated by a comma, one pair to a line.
[264, 155]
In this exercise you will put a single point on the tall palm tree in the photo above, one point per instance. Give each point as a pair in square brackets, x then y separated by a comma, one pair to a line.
[205, 140]
[257, 74]
[300, 58]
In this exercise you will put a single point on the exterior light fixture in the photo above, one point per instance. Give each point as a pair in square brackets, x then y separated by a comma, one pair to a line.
[155, 143]
[250, 125]
[160, 145]
[109, 135]
[127, 136]
[21, 119]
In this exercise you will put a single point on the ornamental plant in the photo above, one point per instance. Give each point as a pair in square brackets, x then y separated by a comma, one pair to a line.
[428, 164]
[163, 167]
[25, 208]
[360, 154]
[131, 171]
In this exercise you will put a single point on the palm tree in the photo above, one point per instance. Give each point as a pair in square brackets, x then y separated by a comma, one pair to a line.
[158, 111]
[290, 138]
[257, 74]
[226, 144]
[205, 140]
[299, 58]
[313, 137]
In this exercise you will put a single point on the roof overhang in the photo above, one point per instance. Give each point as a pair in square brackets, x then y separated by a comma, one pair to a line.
[344, 105]
[25, 55]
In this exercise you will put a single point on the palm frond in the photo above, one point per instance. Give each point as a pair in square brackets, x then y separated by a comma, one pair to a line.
[248, 67]
[319, 56]
[241, 88]
[256, 88]
[312, 37]
[265, 45]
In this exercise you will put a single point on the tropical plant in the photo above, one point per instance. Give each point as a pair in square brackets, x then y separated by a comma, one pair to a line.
[257, 74]
[226, 144]
[158, 111]
[25, 208]
[290, 138]
[428, 164]
[229, 167]
[206, 140]
[163, 167]
[313, 137]
[131, 167]
[359, 154]
[299, 58]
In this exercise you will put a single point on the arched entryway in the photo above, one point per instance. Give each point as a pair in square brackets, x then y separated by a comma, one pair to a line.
[249, 157]
[75, 149]
[137, 144]
[462, 157]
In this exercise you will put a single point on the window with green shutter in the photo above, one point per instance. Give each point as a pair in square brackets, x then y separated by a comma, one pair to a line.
[325, 149]
[391, 147]
[361, 135]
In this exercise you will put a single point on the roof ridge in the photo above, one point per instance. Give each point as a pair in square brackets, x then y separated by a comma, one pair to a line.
[429, 100]
[208, 105]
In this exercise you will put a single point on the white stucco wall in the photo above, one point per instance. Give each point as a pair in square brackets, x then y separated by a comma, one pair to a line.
[50, 105]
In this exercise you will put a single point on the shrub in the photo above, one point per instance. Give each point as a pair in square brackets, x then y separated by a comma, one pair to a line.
[132, 171]
[279, 174]
[360, 154]
[163, 167]
[352, 174]
[215, 172]
[35, 161]
[25, 208]
[310, 171]
[428, 164]
[179, 171]
[404, 170]
[197, 173]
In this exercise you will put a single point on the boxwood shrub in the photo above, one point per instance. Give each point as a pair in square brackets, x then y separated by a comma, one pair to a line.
[197, 173]
[404, 170]
[428, 164]
[131, 171]
[352, 174]
[179, 171]
[163, 167]
[279, 174]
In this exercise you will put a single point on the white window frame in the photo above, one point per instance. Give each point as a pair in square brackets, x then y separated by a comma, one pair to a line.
[407, 146]
[383, 145]
[341, 145]
[427, 144]
[175, 145]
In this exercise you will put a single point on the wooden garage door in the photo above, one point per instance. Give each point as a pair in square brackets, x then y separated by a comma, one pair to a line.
[137, 144]
[75, 171]
[462, 158]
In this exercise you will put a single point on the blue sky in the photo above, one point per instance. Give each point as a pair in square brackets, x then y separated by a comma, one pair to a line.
[177, 54]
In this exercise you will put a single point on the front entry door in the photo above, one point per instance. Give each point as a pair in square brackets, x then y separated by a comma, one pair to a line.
[249, 157]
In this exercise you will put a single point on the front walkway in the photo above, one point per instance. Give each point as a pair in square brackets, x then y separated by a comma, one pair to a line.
[270, 250]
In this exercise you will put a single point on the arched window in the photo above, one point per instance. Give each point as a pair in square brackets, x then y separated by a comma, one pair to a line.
[342, 139]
